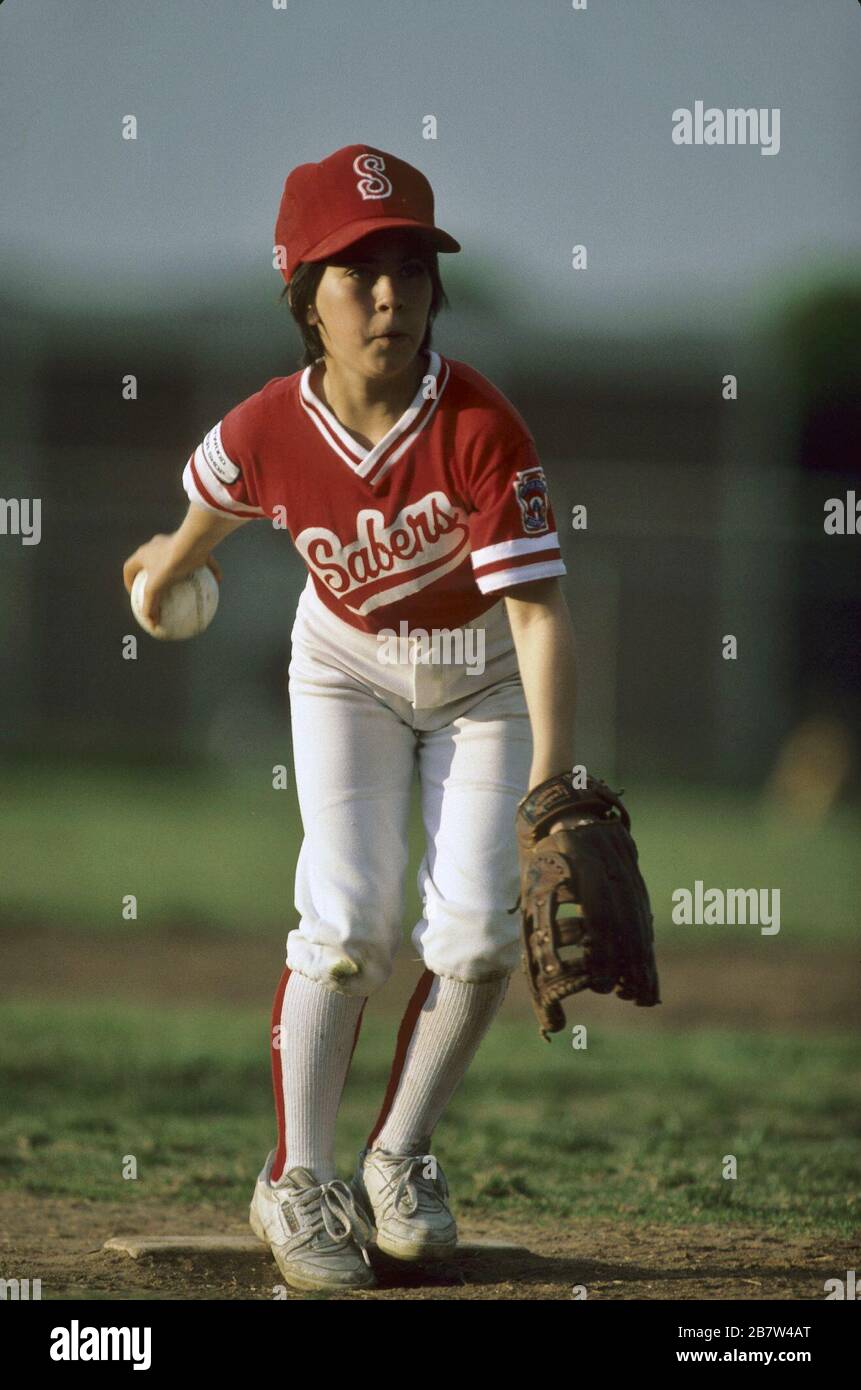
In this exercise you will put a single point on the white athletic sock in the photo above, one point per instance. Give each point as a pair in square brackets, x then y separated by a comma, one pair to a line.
[453, 1020]
[318, 1026]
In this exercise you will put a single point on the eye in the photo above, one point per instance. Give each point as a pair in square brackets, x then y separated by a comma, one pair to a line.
[411, 268]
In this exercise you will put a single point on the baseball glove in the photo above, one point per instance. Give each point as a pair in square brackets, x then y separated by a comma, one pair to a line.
[581, 886]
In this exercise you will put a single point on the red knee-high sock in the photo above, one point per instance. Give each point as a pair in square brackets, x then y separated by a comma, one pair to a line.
[405, 1033]
[277, 1075]
[439, 1037]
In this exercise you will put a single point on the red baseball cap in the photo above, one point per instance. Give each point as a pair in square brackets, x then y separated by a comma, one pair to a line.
[358, 189]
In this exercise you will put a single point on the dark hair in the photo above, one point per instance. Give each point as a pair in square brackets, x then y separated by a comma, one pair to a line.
[301, 294]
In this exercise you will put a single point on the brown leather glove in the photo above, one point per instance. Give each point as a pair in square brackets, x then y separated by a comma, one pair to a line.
[581, 887]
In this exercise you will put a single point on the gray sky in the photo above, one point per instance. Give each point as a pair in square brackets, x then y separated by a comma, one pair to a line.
[554, 127]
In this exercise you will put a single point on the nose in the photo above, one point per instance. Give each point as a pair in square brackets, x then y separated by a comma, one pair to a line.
[387, 291]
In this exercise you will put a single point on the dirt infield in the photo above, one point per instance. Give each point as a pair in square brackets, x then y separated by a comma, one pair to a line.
[60, 1241]
[769, 985]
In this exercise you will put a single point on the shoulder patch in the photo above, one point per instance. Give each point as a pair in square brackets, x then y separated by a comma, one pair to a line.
[530, 489]
[214, 453]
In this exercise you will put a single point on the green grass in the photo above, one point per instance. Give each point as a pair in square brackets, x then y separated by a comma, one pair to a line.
[625, 1129]
[220, 852]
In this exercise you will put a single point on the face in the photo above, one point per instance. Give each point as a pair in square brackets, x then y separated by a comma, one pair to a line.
[379, 283]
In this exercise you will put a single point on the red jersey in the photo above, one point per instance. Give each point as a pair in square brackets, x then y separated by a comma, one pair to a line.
[426, 527]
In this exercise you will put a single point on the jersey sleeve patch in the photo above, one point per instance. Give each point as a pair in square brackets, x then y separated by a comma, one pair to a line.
[512, 529]
[213, 479]
[530, 489]
[215, 457]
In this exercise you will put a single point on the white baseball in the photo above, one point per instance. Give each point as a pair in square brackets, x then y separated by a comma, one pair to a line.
[186, 609]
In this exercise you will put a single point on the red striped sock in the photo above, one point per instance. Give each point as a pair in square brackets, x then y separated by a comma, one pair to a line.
[440, 1033]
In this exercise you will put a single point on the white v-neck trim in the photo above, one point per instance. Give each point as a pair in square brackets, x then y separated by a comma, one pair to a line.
[373, 464]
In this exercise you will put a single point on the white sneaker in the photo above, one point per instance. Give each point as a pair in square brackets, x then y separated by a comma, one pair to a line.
[316, 1232]
[407, 1195]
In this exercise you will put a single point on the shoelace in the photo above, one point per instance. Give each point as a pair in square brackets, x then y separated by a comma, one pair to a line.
[410, 1185]
[337, 1213]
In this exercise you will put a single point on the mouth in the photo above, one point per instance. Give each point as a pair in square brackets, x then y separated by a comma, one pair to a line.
[389, 336]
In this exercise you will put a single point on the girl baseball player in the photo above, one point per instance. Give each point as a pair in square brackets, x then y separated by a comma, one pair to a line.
[431, 635]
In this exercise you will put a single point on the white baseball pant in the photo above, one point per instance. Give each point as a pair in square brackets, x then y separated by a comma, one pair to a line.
[360, 729]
